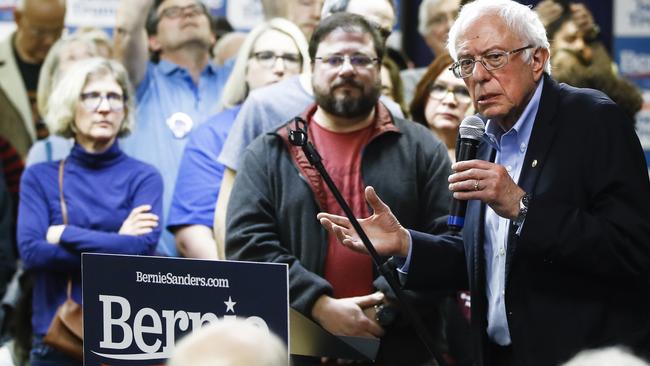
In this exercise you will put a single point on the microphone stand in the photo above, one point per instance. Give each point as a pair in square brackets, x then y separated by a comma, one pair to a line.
[298, 137]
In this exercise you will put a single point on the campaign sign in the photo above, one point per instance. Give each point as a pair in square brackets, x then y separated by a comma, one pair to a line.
[632, 55]
[136, 308]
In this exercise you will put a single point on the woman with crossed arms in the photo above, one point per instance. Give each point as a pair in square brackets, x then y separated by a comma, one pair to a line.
[96, 200]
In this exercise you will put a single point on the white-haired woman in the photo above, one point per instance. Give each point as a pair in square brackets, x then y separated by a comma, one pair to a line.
[272, 51]
[96, 200]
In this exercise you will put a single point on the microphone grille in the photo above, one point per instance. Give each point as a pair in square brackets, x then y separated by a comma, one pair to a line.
[472, 127]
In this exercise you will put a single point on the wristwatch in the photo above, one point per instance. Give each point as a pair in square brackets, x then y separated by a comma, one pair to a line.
[385, 314]
[523, 209]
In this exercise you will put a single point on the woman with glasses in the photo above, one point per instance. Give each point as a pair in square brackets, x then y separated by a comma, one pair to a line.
[272, 51]
[441, 102]
[95, 200]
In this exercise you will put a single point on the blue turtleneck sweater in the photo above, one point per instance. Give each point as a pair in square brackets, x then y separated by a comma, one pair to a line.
[100, 191]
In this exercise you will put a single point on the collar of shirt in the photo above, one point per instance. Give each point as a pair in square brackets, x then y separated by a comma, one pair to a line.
[522, 127]
[169, 68]
[511, 146]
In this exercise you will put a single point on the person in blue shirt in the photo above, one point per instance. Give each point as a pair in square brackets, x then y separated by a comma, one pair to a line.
[96, 200]
[272, 51]
[176, 89]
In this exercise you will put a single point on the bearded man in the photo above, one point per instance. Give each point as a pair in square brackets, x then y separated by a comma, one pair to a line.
[276, 193]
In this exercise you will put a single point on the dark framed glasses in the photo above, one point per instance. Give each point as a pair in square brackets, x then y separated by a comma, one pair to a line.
[175, 12]
[439, 91]
[357, 61]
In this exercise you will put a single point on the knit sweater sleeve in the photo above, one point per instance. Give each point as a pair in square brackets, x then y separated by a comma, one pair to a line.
[146, 191]
[254, 225]
[33, 222]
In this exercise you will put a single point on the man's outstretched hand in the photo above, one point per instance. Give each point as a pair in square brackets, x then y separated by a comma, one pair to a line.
[384, 231]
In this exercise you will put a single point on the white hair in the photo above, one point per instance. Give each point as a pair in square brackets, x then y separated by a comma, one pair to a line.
[423, 15]
[520, 19]
[236, 89]
[62, 105]
[232, 342]
[605, 357]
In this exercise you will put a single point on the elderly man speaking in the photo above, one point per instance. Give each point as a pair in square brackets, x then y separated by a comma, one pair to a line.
[556, 244]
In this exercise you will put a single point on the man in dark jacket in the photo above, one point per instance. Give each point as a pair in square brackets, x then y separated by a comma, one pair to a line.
[277, 193]
[556, 238]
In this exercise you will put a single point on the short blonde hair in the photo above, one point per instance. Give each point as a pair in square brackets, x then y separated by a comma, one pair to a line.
[64, 99]
[236, 89]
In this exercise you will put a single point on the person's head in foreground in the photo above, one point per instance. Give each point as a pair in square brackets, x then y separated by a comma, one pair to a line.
[233, 342]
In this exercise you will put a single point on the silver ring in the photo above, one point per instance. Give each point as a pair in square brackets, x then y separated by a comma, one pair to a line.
[476, 186]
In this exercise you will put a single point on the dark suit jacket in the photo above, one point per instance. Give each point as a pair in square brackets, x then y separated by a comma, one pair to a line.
[579, 275]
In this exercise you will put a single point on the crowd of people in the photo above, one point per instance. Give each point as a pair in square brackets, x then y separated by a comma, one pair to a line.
[173, 138]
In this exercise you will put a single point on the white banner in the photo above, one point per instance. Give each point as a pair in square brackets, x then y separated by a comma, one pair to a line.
[244, 14]
[632, 18]
[91, 13]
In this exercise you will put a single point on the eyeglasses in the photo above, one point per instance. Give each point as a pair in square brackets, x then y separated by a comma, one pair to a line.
[357, 61]
[493, 60]
[92, 100]
[439, 92]
[175, 12]
[268, 59]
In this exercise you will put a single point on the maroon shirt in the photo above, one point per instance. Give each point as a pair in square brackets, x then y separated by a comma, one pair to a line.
[350, 273]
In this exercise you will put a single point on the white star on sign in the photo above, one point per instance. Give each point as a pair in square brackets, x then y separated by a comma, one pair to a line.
[230, 305]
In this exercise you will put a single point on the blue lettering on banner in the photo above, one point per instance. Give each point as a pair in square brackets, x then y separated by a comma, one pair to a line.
[632, 55]
[135, 315]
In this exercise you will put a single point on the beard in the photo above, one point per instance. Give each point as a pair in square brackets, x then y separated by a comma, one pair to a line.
[348, 106]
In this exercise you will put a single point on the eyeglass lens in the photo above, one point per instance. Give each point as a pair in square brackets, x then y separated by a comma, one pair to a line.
[92, 100]
[360, 61]
[269, 58]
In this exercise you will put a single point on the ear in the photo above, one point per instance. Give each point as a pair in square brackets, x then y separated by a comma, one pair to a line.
[18, 15]
[154, 45]
[538, 61]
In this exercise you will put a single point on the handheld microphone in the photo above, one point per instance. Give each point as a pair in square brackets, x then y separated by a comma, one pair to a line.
[471, 131]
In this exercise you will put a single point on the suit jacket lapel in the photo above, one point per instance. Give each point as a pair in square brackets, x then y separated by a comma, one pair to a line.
[541, 136]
